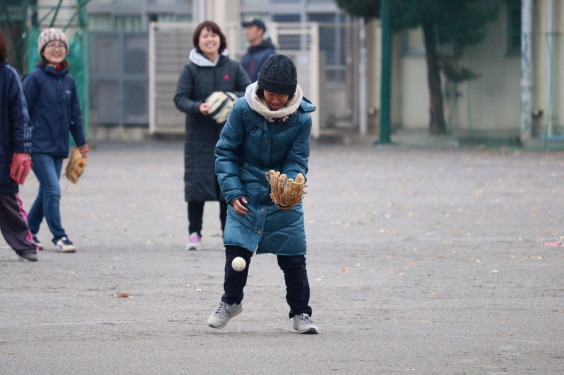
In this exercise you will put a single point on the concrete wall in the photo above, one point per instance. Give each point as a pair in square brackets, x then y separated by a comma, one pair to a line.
[492, 101]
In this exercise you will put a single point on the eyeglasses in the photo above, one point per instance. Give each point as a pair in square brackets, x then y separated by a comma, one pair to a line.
[55, 46]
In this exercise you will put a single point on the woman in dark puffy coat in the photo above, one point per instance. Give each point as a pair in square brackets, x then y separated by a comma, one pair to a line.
[209, 70]
[54, 109]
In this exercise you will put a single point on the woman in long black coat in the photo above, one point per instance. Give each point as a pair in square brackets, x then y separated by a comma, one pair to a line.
[210, 69]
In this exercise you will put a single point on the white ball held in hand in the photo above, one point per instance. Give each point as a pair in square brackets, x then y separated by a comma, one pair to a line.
[238, 264]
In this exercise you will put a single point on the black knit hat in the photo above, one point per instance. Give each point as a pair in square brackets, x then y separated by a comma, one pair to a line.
[278, 75]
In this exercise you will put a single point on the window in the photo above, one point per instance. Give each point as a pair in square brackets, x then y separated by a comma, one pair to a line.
[513, 27]
[332, 34]
[128, 23]
[100, 22]
[291, 42]
[413, 43]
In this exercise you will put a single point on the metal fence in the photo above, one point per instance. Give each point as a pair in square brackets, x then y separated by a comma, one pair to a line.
[169, 47]
[119, 78]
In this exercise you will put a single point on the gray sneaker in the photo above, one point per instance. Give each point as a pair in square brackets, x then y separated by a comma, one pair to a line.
[222, 315]
[304, 324]
[28, 257]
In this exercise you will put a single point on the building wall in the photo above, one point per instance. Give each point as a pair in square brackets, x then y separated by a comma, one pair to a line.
[493, 100]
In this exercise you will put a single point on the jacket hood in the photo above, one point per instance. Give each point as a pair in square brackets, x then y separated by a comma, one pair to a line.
[265, 44]
[200, 60]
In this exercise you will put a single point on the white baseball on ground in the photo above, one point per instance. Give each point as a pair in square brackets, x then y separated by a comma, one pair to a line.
[238, 264]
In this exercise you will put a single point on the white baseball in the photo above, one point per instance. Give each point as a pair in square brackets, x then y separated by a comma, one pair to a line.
[238, 264]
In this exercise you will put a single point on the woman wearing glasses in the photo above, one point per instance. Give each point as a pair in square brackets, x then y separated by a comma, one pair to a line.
[54, 109]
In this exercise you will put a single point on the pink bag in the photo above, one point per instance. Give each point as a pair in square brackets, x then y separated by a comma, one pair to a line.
[20, 167]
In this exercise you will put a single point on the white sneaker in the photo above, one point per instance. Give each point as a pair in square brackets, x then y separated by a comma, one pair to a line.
[222, 315]
[64, 245]
[304, 324]
[195, 242]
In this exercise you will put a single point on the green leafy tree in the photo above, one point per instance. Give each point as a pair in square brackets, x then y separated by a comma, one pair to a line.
[459, 23]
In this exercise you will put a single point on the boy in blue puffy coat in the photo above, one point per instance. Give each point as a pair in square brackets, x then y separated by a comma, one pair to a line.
[268, 129]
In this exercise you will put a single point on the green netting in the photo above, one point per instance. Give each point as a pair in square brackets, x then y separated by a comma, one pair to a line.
[78, 68]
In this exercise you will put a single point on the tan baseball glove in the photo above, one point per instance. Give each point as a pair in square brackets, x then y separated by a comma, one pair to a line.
[76, 165]
[221, 105]
[285, 192]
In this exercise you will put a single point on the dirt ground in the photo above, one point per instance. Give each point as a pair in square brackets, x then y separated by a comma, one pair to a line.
[421, 261]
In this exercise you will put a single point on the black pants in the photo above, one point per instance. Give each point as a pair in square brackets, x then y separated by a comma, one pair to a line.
[295, 276]
[196, 215]
[13, 224]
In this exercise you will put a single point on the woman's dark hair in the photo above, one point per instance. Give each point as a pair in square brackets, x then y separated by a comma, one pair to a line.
[3, 48]
[214, 28]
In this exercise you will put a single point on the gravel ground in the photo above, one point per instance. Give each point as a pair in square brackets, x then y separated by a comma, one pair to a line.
[421, 261]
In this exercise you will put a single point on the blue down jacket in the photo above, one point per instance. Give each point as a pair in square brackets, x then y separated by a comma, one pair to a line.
[54, 109]
[248, 147]
[15, 132]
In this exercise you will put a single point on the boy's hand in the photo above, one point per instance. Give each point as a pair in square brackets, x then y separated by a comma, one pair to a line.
[239, 206]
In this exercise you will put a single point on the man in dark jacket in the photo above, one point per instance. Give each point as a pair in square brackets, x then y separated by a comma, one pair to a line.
[15, 139]
[259, 50]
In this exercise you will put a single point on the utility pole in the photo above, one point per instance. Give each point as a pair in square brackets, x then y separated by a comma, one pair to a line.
[385, 76]
[526, 70]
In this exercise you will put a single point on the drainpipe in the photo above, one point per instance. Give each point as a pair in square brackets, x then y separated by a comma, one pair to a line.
[550, 22]
[526, 69]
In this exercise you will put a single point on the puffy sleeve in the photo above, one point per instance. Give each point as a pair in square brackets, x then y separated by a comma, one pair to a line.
[184, 90]
[298, 154]
[228, 153]
[19, 117]
[75, 125]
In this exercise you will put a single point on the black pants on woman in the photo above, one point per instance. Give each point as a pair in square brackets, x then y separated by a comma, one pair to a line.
[295, 276]
[196, 215]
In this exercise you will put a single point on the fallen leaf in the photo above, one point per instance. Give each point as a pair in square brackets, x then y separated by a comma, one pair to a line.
[345, 270]
[122, 295]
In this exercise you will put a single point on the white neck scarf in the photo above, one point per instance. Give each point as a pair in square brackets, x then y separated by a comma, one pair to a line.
[259, 105]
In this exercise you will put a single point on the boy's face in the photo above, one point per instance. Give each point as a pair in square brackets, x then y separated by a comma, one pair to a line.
[275, 101]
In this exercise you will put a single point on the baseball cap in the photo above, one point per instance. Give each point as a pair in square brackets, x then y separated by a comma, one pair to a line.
[254, 22]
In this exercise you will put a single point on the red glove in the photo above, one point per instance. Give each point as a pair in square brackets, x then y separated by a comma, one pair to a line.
[20, 167]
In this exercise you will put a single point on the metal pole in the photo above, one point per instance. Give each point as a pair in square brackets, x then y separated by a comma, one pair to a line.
[152, 86]
[526, 69]
[314, 77]
[385, 79]
[550, 22]
[199, 11]
[362, 78]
